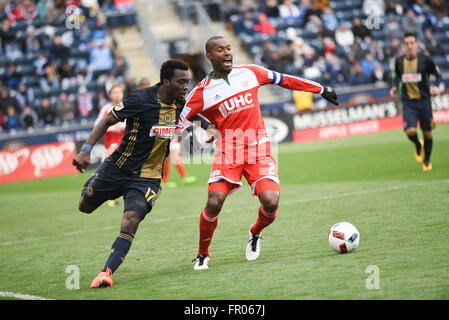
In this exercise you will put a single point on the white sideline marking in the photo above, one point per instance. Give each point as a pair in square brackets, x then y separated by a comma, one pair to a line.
[162, 220]
[20, 296]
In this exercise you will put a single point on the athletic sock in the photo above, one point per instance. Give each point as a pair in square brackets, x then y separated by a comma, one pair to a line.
[428, 144]
[181, 170]
[208, 223]
[264, 220]
[415, 140]
[166, 171]
[119, 249]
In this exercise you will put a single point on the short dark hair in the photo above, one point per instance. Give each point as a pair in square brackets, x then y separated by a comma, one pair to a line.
[168, 68]
[207, 46]
[410, 34]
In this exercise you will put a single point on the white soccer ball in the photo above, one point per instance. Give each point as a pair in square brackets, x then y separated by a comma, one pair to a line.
[343, 237]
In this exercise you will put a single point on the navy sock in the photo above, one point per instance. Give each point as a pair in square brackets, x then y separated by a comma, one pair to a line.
[428, 144]
[119, 249]
[415, 140]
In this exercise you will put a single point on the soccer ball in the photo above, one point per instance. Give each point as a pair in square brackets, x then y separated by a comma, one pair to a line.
[343, 237]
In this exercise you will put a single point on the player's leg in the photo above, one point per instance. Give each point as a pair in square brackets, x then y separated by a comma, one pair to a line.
[139, 200]
[264, 181]
[427, 124]
[410, 115]
[268, 192]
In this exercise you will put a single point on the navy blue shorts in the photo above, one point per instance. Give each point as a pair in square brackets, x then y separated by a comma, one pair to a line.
[419, 109]
[110, 182]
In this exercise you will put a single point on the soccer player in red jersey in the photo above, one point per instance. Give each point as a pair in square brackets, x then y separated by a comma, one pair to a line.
[227, 98]
[115, 133]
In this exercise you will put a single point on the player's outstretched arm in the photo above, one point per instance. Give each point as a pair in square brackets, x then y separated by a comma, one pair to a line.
[82, 159]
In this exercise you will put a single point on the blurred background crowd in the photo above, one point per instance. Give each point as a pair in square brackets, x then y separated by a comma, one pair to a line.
[58, 61]
[57, 65]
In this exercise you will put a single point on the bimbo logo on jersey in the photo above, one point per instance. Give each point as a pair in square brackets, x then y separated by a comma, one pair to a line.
[163, 131]
[235, 104]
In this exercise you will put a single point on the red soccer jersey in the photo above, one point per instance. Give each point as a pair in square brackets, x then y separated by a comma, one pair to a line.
[232, 105]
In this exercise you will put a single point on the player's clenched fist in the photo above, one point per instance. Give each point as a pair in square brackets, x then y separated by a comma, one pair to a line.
[81, 161]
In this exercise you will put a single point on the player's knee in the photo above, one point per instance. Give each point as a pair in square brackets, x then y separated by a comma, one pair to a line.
[427, 134]
[270, 200]
[84, 207]
[215, 202]
[130, 222]
[410, 131]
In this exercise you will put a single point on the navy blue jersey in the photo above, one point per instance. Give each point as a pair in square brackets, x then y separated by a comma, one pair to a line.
[150, 125]
[414, 75]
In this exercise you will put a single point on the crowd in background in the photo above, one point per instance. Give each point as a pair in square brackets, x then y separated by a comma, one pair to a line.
[57, 64]
[339, 42]
[56, 68]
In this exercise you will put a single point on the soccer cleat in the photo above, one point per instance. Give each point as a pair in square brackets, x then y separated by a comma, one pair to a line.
[419, 157]
[103, 279]
[188, 180]
[201, 262]
[253, 247]
[427, 166]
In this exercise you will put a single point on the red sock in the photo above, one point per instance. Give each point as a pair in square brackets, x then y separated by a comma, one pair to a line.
[181, 169]
[166, 170]
[208, 223]
[264, 220]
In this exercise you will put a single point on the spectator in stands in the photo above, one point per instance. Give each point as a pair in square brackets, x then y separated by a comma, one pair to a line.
[24, 11]
[2, 122]
[66, 72]
[101, 59]
[367, 65]
[392, 29]
[357, 76]
[333, 70]
[264, 26]
[31, 42]
[359, 29]
[7, 100]
[120, 64]
[248, 5]
[313, 23]
[11, 120]
[7, 34]
[58, 51]
[272, 8]
[84, 103]
[130, 84]
[144, 83]
[380, 76]
[393, 49]
[344, 36]
[11, 76]
[348, 65]
[52, 16]
[439, 8]
[42, 7]
[47, 116]
[329, 20]
[433, 47]
[289, 11]
[28, 118]
[394, 7]
[410, 24]
[65, 108]
[51, 76]
[24, 96]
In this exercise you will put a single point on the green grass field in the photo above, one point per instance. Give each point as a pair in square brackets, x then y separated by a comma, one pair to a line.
[371, 181]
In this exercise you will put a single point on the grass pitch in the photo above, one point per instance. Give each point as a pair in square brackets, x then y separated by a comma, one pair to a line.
[371, 181]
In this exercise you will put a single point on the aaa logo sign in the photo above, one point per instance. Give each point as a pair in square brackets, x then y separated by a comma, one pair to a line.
[39, 161]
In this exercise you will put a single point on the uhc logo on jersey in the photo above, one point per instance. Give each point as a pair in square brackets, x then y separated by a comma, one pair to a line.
[411, 77]
[236, 104]
[163, 131]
